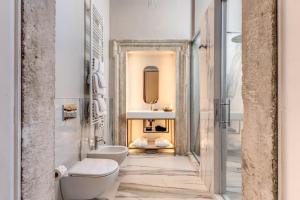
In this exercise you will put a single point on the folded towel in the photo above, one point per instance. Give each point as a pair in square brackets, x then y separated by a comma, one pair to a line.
[101, 80]
[99, 108]
[96, 87]
[101, 104]
[96, 109]
[140, 142]
[98, 83]
[162, 142]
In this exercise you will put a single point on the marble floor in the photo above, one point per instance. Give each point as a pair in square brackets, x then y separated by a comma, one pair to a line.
[233, 167]
[159, 176]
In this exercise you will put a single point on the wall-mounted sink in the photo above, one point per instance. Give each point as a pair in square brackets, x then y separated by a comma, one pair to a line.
[148, 114]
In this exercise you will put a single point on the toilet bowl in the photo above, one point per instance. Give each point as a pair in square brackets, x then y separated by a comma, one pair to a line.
[89, 179]
[117, 153]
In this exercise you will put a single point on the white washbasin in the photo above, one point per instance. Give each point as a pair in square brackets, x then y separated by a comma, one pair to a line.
[117, 153]
[147, 114]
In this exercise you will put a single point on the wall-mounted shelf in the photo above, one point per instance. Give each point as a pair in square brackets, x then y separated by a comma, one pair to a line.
[135, 132]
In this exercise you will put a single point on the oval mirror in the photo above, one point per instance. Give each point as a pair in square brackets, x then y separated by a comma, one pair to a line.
[151, 84]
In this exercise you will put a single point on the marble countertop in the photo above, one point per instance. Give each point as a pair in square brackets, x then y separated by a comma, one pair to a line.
[148, 114]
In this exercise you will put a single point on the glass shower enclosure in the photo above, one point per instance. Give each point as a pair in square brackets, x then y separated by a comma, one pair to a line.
[216, 98]
[232, 104]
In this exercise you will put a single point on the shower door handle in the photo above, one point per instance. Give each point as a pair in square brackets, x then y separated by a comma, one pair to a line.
[204, 46]
[227, 107]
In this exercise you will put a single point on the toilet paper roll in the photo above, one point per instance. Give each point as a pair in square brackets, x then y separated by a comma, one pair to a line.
[60, 171]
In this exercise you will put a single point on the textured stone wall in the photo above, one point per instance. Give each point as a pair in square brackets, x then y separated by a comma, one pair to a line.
[259, 138]
[38, 62]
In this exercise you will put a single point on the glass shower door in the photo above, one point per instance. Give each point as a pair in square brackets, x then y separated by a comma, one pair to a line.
[231, 103]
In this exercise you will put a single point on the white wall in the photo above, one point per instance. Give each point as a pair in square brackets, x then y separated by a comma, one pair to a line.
[166, 63]
[7, 99]
[165, 19]
[69, 49]
[290, 107]
[200, 8]
[69, 64]
[234, 16]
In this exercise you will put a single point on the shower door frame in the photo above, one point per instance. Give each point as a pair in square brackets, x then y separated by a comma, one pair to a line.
[225, 104]
[182, 50]
[194, 87]
[223, 94]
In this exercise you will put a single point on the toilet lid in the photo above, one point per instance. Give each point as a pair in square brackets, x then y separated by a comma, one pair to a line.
[94, 167]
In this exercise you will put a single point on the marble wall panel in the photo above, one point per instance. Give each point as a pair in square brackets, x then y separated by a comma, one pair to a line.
[207, 95]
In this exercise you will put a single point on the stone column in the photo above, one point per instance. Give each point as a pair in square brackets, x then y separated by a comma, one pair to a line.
[38, 89]
[260, 133]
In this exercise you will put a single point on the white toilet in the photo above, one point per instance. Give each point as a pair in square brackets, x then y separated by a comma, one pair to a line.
[89, 179]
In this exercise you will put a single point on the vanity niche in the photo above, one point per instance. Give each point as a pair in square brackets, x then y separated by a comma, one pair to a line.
[151, 85]
[151, 88]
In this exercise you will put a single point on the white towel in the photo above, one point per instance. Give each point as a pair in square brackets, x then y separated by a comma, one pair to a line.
[101, 104]
[98, 83]
[101, 80]
[99, 108]
[96, 109]
[160, 142]
[96, 87]
[140, 142]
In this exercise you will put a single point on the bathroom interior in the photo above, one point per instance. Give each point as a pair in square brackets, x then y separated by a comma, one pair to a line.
[134, 114]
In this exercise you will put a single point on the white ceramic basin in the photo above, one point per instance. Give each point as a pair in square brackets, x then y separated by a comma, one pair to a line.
[117, 153]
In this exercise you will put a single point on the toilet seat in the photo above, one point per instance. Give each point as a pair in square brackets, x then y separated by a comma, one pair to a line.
[94, 168]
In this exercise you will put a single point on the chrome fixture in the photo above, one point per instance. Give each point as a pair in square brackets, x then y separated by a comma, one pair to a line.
[98, 140]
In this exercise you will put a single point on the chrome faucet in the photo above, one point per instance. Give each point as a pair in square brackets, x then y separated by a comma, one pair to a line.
[98, 140]
[152, 103]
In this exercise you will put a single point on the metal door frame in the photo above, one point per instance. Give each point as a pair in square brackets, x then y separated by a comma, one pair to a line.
[196, 39]
[223, 98]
